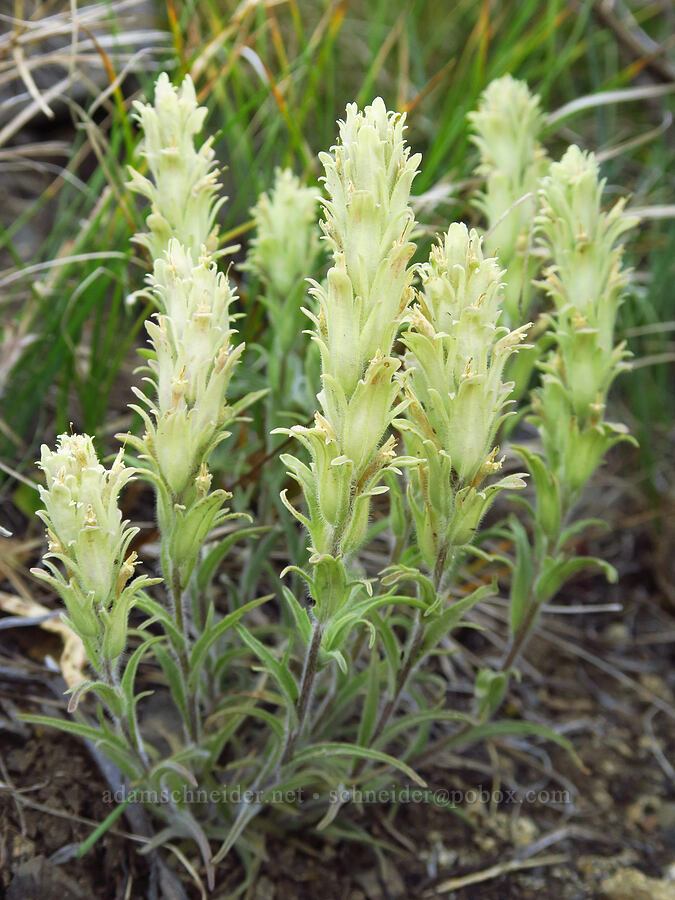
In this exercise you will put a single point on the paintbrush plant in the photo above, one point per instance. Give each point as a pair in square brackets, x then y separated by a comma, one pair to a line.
[586, 281]
[405, 441]
[87, 535]
[457, 354]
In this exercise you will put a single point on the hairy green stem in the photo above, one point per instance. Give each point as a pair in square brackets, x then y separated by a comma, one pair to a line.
[306, 686]
[111, 677]
[411, 660]
[178, 602]
[521, 635]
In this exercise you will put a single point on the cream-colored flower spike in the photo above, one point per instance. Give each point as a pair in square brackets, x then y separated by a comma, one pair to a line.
[283, 252]
[586, 282]
[184, 185]
[367, 224]
[286, 240]
[457, 393]
[583, 240]
[507, 125]
[191, 369]
[86, 533]
[368, 220]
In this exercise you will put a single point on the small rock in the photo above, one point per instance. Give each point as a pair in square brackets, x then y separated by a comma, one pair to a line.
[632, 884]
[39, 880]
[22, 847]
[617, 633]
[523, 831]
[265, 890]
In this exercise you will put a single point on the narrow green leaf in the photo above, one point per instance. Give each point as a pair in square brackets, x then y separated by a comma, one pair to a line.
[280, 673]
[159, 614]
[392, 651]
[440, 625]
[256, 712]
[342, 702]
[128, 679]
[300, 616]
[369, 714]
[77, 728]
[414, 720]
[175, 678]
[106, 693]
[321, 751]
[210, 636]
[105, 825]
[214, 557]
[577, 527]
[505, 728]
[559, 571]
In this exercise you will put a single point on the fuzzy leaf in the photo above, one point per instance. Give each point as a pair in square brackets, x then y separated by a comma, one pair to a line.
[280, 673]
[321, 751]
[557, 572]
[369, 714]
[441, 624]
[210, 636]
[216, 554]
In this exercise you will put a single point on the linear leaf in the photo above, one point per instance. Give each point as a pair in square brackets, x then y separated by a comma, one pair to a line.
[321, 751]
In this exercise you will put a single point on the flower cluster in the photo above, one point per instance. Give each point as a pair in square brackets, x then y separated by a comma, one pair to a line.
[506, 127]
[367, 223]
[286, 242]
[185, 417]
[190, 368]
[283, 253]
[87, 535]
[184, 186]
[585, 281]
[458, 398]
